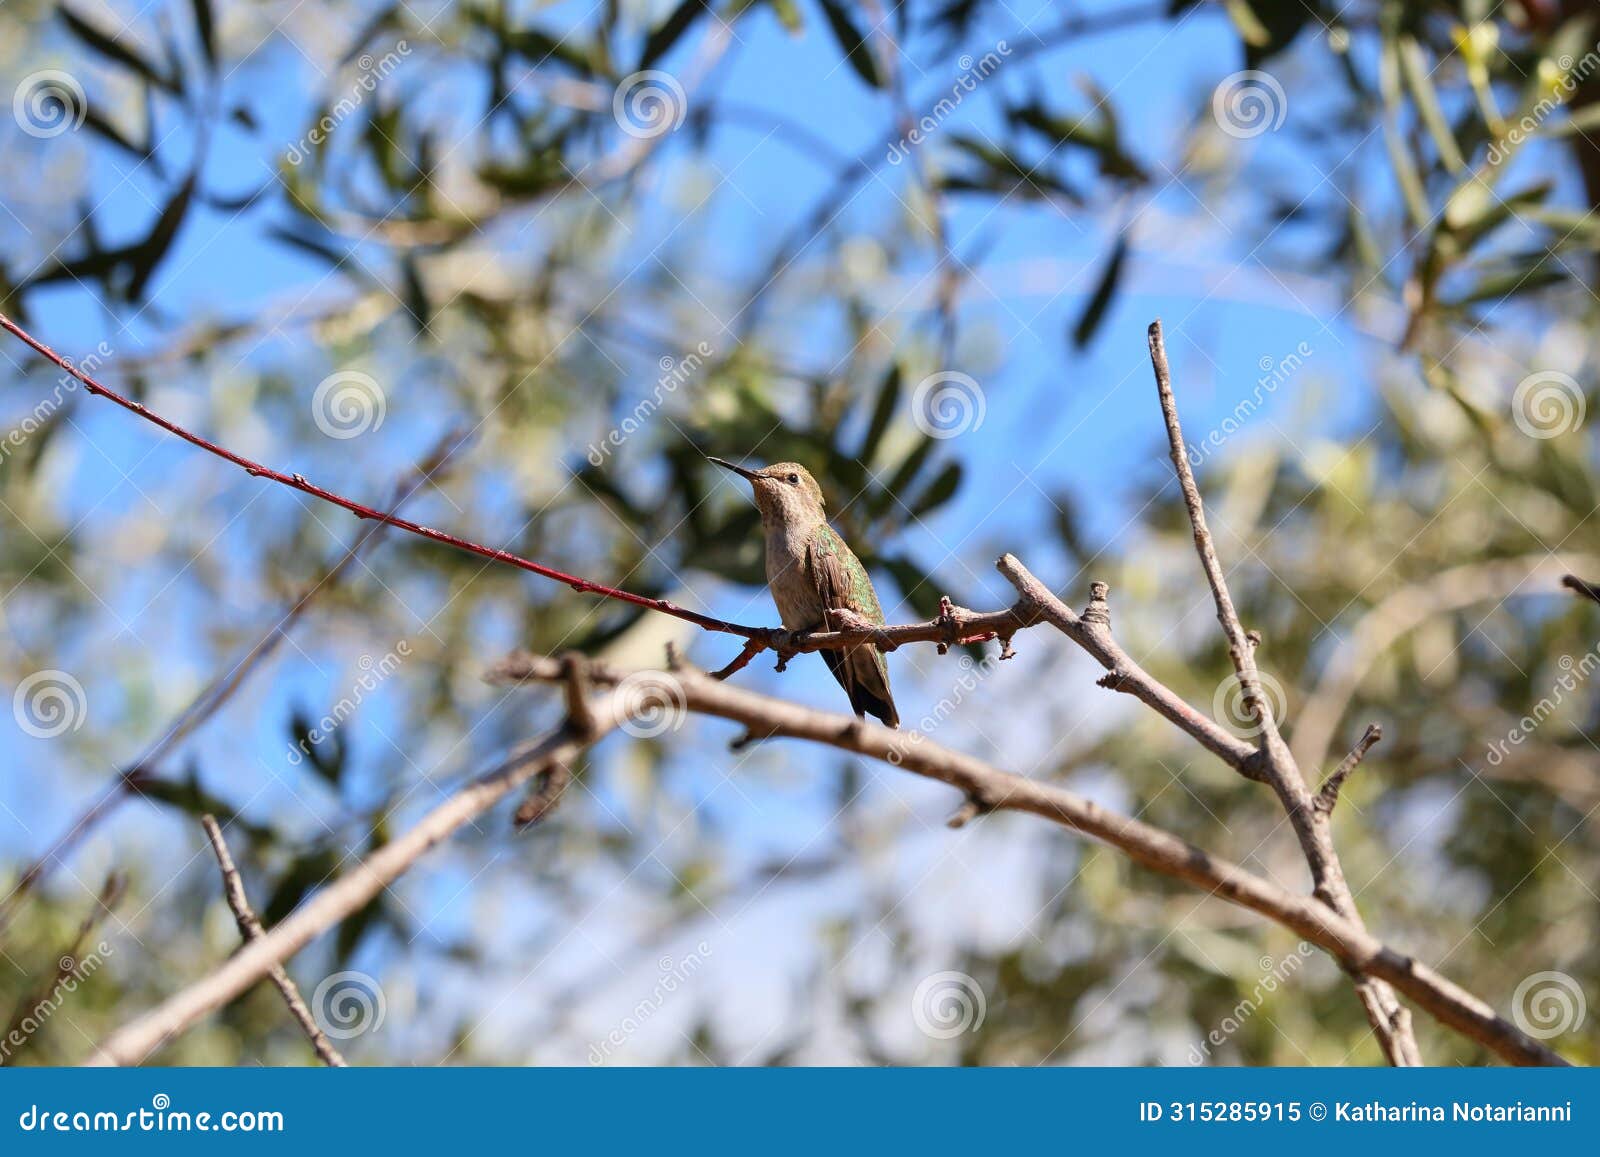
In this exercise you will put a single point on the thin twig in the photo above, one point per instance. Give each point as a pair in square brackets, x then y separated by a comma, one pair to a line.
[345, 896]
[979, 626]
[1328, 795]
[68, 963]
[1390, 1022]
[223, 685]
[250, 928]
[1159, 850]
[991, 789]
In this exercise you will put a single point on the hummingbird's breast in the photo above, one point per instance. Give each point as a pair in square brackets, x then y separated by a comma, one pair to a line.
[793, 587]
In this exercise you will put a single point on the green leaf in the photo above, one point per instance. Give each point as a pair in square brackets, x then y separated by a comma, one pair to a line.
[882, 414]
[852, 43]
[941, 490]
[114, 50]
[148, 255]
[206, 26]
[1419, 79]
[1105, 291]
[670, 30]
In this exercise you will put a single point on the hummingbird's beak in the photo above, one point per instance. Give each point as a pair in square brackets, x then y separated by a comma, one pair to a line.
[740, 470]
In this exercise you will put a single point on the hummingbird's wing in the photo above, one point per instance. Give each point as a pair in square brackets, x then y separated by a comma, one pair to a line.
[842, 583]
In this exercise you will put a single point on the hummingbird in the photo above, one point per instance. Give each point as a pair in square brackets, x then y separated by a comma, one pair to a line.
[813, 576]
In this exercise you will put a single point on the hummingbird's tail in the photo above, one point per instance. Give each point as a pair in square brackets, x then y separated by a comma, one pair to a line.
[863, 674]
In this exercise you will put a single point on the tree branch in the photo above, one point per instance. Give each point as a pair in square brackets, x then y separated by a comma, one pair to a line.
[135, 1041]
[224, 684]
[988, 786]
[250, 929]
[1389, 1020]
[992, 789]
[964, 627]
[1328, 794]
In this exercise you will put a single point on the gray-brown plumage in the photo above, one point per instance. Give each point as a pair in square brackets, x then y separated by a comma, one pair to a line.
[811, 573]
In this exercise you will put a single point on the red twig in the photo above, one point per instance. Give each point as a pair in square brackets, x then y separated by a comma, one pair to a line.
[298, 482]
[954, 624]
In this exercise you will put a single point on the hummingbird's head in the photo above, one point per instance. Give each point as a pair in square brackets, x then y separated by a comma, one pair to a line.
[785, 492]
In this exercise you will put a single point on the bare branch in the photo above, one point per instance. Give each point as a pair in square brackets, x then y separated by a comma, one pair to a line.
[136, 1040]
[216, 693]
[1328, 796]
[250, 928]
[1277, 766]
[964, 627]
[988, 788]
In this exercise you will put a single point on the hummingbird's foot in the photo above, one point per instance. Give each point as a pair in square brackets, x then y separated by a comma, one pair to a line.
[785, 646]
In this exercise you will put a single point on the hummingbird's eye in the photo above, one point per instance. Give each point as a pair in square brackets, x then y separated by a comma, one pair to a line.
[794, 480]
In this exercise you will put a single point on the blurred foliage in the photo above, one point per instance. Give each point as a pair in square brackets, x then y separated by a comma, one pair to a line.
[477, 232]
